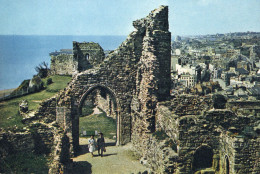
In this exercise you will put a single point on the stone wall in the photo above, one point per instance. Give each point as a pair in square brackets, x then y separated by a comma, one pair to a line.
[85, 55]
[152, 86]
[137, 57]
[221, 130]
[171, 135]
[105, 102]
[63, 64]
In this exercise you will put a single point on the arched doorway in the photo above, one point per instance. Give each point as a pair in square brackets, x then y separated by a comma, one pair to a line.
[203, 158]
[226, 165]
[103, 100]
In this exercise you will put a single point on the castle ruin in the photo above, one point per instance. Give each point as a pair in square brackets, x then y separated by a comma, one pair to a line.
[83, 56]
[174, 134]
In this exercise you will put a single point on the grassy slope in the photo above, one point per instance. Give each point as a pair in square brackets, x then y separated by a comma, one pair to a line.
[9, 109]
[99, 122]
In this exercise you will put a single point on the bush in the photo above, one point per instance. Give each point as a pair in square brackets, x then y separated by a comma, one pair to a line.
[36, 84]
[49, 81]
[42, 69]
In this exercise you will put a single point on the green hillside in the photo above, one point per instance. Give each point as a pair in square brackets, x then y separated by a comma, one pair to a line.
[9, 115]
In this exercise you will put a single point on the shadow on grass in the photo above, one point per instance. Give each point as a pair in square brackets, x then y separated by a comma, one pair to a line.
[81, 167]
[105, 155]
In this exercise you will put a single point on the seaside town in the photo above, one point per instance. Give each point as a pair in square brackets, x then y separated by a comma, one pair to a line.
[228, 64]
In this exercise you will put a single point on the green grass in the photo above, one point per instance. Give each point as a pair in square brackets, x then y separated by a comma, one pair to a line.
[99, 122]
[24, 162]
[87, 110]
[9, 116]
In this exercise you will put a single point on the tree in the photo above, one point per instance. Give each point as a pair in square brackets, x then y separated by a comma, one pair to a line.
[42, 69]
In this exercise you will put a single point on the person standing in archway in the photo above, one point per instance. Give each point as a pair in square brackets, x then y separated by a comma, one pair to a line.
[101, 144]
[92, 145]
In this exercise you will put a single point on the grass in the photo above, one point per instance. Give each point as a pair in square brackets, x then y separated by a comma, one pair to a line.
[132, 155]
[87, 110]
[9, 116]
[24, 162]
[99, 122]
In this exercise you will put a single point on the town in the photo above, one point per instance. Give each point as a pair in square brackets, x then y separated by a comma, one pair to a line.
[223, 63]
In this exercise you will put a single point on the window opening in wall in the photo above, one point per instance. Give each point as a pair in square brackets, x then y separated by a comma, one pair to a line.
[203, 158]
[226, 165]
[87, 56]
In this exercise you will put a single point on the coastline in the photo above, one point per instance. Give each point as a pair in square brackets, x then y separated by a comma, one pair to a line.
[6, 92]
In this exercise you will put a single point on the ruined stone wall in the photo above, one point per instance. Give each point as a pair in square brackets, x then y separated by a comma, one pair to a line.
[152, 86]
[106, 103]
[219, 129]
[87, 55]
[139, 67]
[116, 74]
[37, 134]
[159, 155]
[245, 107]
[63, 64]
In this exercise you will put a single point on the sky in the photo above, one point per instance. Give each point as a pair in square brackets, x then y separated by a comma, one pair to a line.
[114, 17]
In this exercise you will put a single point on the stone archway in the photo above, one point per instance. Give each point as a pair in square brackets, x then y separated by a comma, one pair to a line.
[202, 158]
[103, 89]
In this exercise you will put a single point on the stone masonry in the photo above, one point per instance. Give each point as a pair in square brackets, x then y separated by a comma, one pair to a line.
[84, 56]
[174, 134]
[185, 134]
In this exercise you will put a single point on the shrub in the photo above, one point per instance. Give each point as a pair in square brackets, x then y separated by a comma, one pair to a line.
[36, 84]
[42, 69]
[49, 81]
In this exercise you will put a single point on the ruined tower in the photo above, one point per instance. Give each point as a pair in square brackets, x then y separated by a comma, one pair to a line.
[83, 56]
[87, 55]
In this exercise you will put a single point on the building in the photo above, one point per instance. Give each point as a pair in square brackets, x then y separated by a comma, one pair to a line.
[190, 80]
[83, 56]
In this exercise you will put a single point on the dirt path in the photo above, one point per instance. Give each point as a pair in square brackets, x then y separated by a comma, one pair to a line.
[117, 160]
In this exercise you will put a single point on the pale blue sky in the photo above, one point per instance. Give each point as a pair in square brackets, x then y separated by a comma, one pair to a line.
[114, 17]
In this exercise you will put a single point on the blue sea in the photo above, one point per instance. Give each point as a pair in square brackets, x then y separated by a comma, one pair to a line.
[20, 54]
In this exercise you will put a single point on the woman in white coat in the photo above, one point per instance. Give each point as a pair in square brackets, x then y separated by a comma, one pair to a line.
[92, 145]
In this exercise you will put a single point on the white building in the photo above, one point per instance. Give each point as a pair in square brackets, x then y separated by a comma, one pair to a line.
[186, 69]
[190, 80]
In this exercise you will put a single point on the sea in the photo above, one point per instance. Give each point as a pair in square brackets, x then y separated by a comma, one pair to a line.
[19, 55]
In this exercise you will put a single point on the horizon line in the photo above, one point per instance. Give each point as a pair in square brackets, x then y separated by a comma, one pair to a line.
[185, 35]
